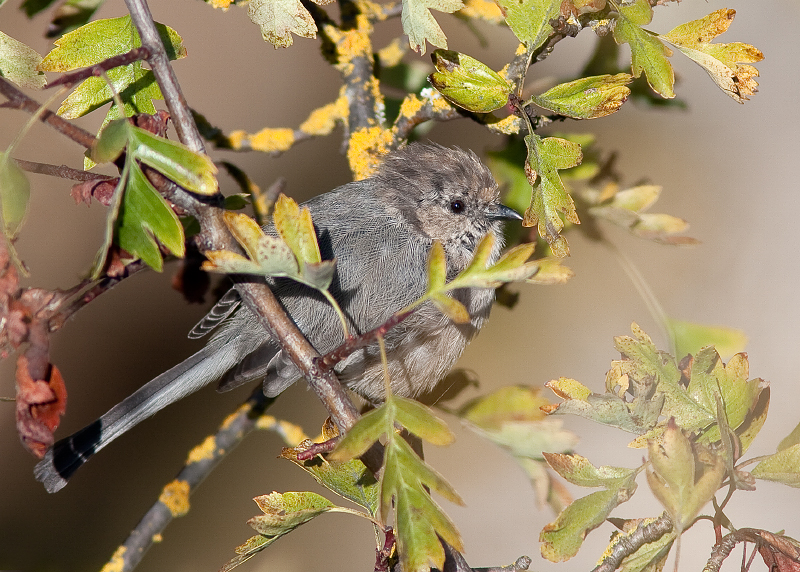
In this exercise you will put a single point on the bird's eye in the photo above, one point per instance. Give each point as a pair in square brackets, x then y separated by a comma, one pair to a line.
[457, 206]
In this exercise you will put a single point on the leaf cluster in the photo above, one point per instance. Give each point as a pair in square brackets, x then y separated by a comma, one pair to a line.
[696, 418]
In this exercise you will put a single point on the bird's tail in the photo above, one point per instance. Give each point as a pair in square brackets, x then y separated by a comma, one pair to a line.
[67, 455]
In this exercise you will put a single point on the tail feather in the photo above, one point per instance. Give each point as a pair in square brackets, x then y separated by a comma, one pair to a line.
[69, 454]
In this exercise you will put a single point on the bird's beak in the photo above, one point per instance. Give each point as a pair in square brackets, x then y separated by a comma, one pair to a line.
[502, 212]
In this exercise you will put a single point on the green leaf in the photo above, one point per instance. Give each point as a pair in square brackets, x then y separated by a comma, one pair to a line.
[791, 439]
[111, 141]
[283, 512]
[371, 427]
[349, 479]
[562, 538]
[420, 25]
[294, 255]
[550, 197]
[682, 478]
[98, 41]
[15, 194]
[726, 64]
[648, 53]
[586, 98]
[72, 14]
[19, 63]
[513, 266]
[33, 7]
[450, 307]
[437, 267]
[710, 377]
[279, 19]
[419, 520]
[144, 217]
[579, 471]
[511, 417]
[468, 83]
[421, 421]
[782, 467]
[530, 19]
[195, 172]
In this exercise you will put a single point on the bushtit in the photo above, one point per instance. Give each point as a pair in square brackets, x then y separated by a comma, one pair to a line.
[379, 231]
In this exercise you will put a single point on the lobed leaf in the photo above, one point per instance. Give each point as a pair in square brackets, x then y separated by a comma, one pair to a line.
[726, 64]
[562, 538]
[530, 19]
[144, 217]
[550, 197]
[580, 471]
[648, 53]
[279, 19]
[419, 24]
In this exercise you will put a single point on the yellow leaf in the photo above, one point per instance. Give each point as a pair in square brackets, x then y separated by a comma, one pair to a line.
[726, 64]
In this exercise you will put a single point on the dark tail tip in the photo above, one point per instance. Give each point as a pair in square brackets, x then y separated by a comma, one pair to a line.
[66, 457]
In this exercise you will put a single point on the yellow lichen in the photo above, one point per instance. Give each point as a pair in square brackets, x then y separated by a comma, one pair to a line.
[439, 104]
[157, 538]
[175, 497]
[266, 422]
[483, 9]
[242, 409]
[117, 562]
[204, 451]
[268, 140]
[507, 126]
[221, 4]
[236, 138]
[272, 140]
[322, 121]
[410, 106]
[293, 434]
[371, 10]
[521, 49]
[392, 54]
[365, 150]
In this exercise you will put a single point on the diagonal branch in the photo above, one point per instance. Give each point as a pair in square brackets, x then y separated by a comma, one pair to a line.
[174, 499]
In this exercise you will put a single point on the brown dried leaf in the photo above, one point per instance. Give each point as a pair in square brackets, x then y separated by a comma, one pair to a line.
[40, 405]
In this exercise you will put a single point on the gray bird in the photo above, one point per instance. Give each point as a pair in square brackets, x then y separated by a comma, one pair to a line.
[380, 231]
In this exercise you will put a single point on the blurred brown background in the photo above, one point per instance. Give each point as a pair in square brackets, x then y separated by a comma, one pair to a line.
[729, 169]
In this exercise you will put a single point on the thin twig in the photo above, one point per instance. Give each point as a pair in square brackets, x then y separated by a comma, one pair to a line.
[174, 500]
[215, 236]
[165, 75]
[18, 100]
[61, 171]
[354, 343]
[96, 70]
[625, 545]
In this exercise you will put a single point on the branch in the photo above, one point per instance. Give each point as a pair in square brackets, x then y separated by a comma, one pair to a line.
[165, 75]
[624, 545]
[97, 70]
[174, 499]
[61, 171]
[778, 551]
[18, 100]
[215, 236]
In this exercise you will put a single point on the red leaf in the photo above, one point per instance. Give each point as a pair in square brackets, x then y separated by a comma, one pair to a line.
[40, 405]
